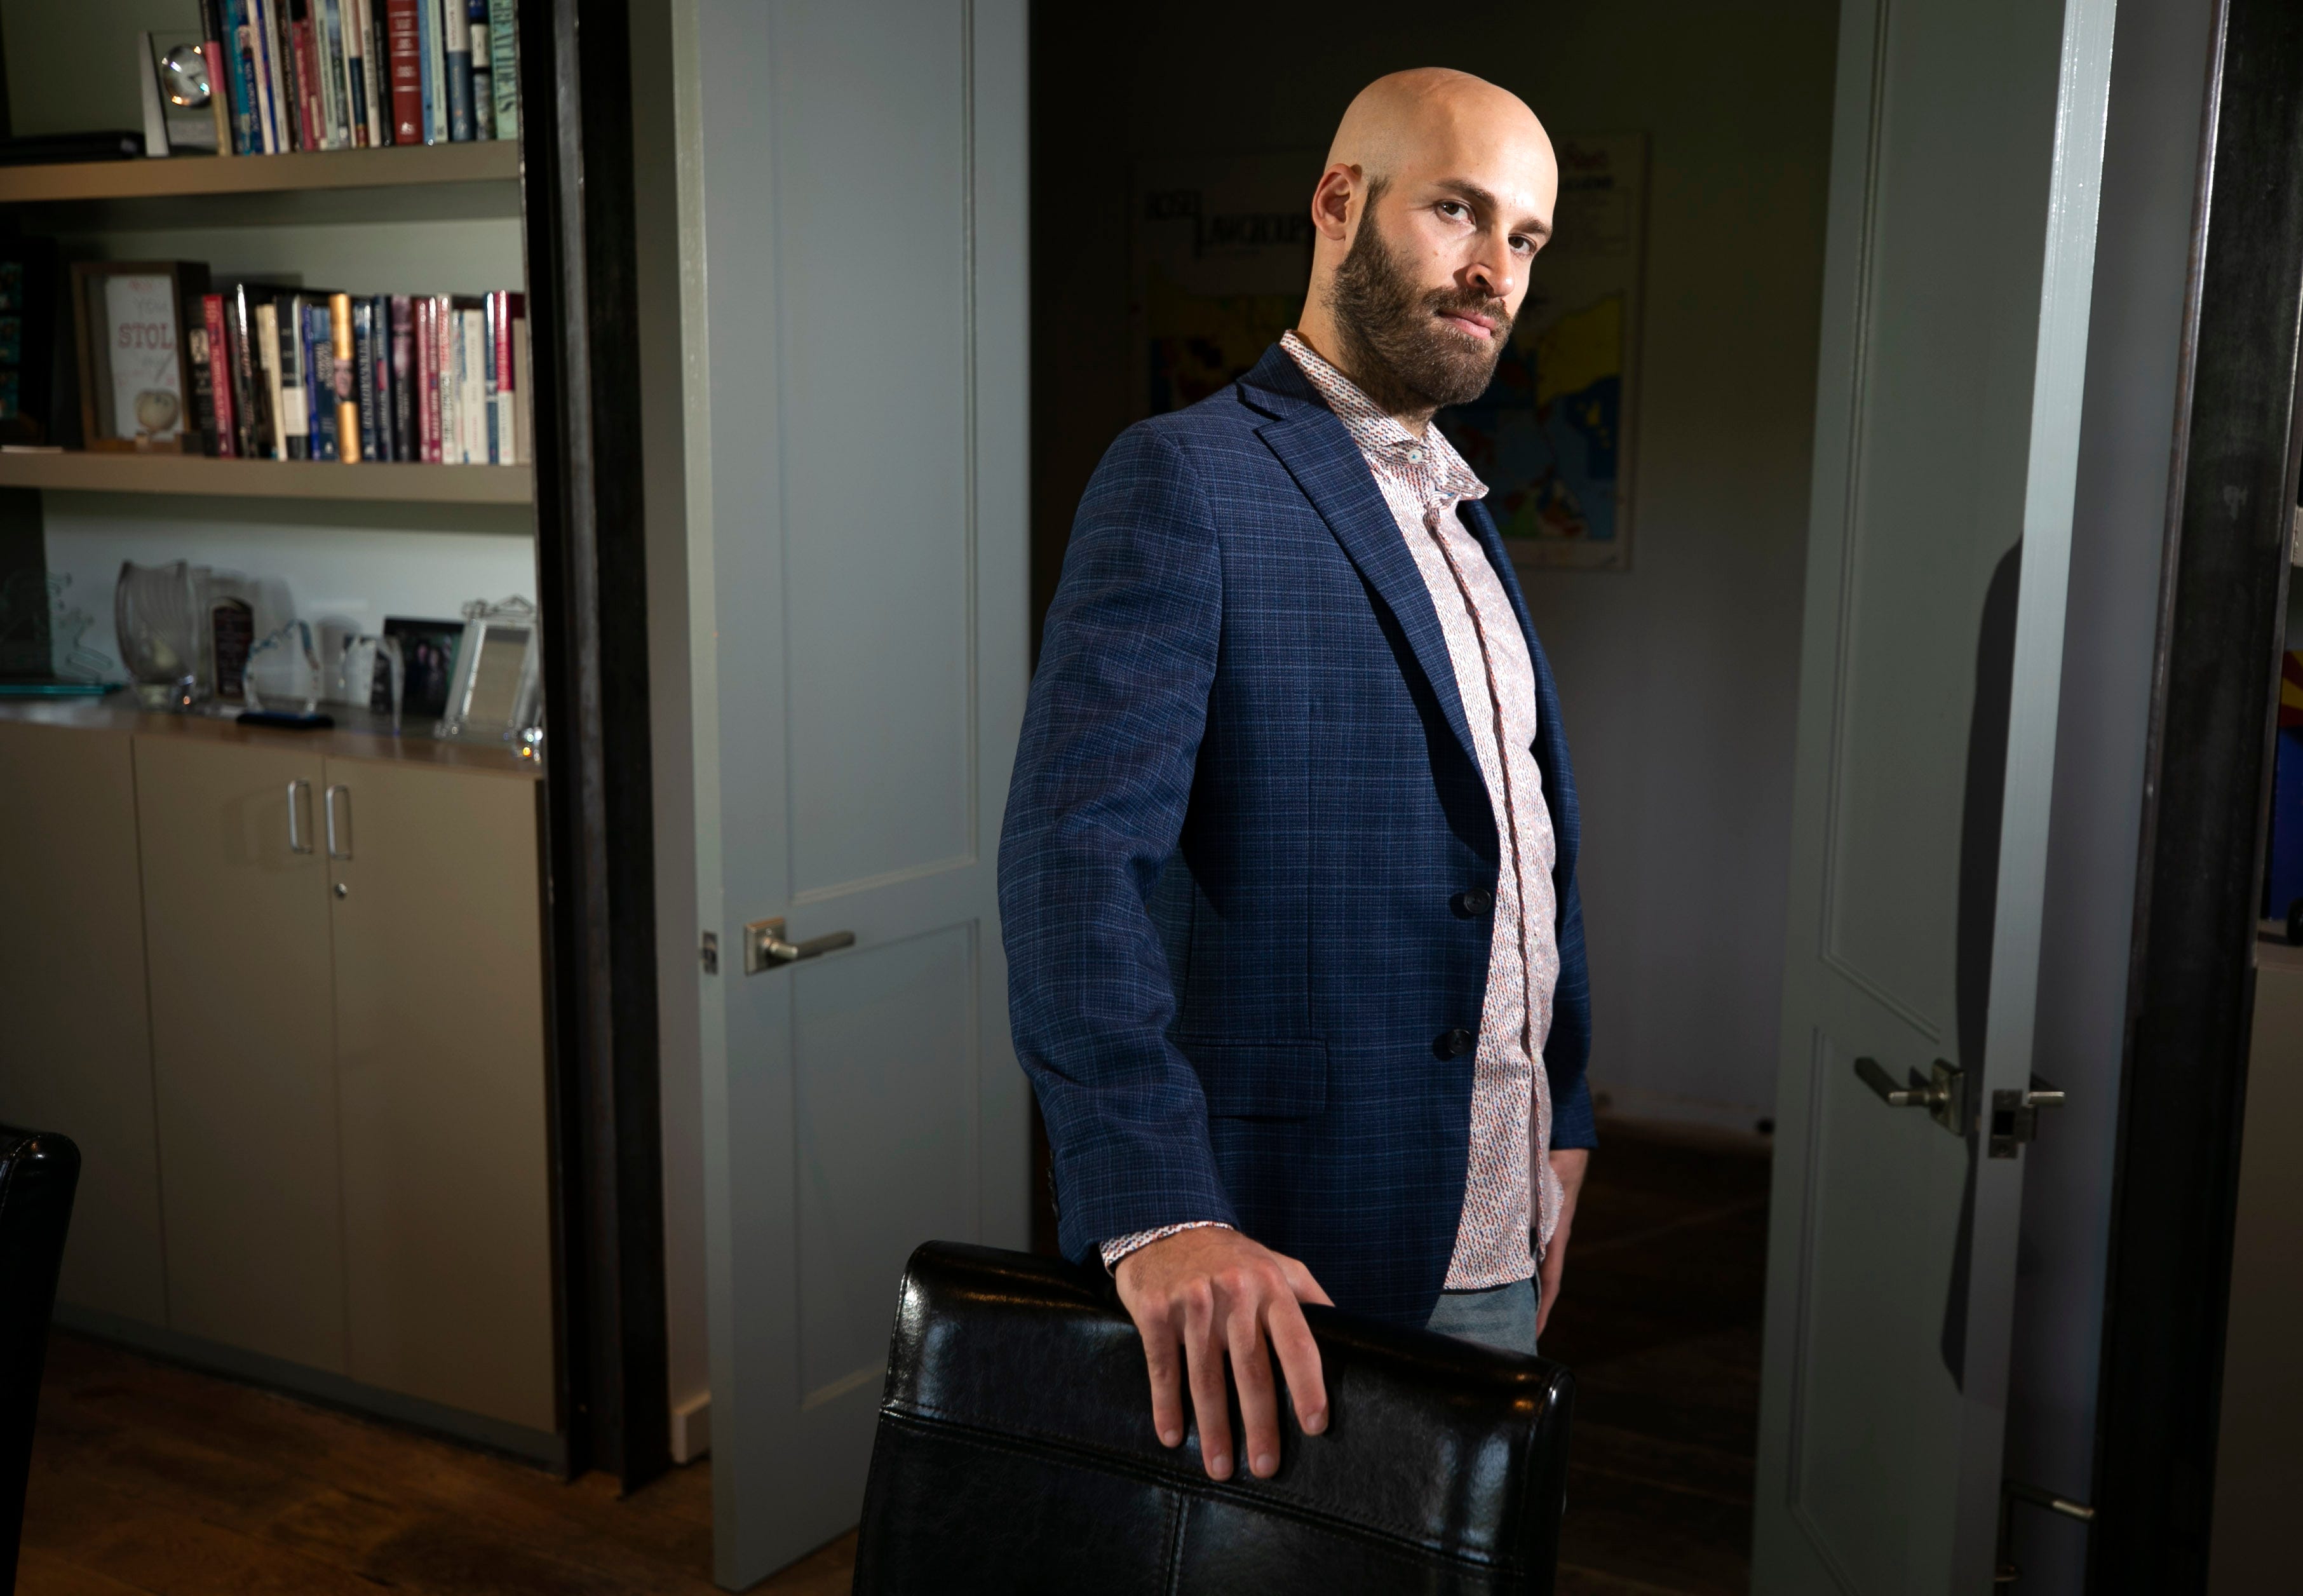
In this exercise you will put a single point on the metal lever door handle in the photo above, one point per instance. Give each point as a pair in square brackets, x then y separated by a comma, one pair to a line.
[2015, 1115]
[765, 949]
[1942, 1092]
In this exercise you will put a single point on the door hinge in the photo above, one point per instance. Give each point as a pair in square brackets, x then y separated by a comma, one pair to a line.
[2015, 1116]
[709, 952]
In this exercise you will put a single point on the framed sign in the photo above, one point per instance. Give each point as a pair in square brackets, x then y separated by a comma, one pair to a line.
[135, 387]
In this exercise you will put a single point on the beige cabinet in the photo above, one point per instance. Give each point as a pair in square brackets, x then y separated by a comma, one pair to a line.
[75, 1043]
[439, 1033]
[289, 1001]
[243, 1045]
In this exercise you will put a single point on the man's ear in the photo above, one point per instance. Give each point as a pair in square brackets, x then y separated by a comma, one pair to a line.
[1340, 186]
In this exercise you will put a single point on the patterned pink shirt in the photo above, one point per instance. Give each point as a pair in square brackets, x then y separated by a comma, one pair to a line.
[1423, 480]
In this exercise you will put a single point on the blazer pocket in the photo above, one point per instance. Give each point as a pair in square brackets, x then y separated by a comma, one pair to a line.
[1260, 1080]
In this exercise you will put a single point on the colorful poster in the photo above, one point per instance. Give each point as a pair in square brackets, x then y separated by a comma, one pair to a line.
[1552, 436]
[1223, 253]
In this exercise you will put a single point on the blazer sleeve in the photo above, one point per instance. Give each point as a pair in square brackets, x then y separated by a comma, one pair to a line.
[1103, 773]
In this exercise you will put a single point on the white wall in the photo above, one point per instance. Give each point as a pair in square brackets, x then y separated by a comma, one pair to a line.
[1679, 676]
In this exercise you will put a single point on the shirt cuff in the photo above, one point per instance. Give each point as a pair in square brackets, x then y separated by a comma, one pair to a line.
[1119, 1246]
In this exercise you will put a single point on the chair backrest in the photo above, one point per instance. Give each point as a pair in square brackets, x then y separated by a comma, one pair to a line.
[38, 1173]
[1015, 1454]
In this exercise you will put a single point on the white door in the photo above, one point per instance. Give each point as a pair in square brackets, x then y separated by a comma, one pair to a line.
[853, 178]
[1966, 147]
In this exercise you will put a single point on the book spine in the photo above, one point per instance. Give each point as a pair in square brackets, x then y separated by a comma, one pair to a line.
[451, 381]
[270, 393]
[434, 72]
[240, 78]
[405, 446]
[293, 85]
[344, 375]
[223, 374]
[491, 317]
[523, 443]
[499, 378]
[359, 74]
[476, 386]
[375, 371]
[427, 381]
[458, 52]
[295, 439]
[240, 332]
[214, 58]
[311, 107]
[320, 381]
[483, 100]
[200, 371]
[335, 71]
[503, 66]
[262, 46]
[406, 55]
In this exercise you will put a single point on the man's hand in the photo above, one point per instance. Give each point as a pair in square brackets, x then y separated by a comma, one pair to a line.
[1568, 1163]
[1216, 1292]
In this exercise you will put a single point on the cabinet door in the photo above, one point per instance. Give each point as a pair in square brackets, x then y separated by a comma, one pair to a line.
[76, 1044]
[440, 1049]
[236, 934]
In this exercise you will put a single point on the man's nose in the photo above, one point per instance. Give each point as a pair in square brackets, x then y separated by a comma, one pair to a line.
[1491, 270]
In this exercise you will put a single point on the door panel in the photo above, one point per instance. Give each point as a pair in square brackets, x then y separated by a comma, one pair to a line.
[857, 582]
[243, 1028]
[1967, 145]
[76, 1047]
[439, 979]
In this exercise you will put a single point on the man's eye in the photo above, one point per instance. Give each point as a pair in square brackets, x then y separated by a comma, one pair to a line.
[1526, 246]
[1452, 208]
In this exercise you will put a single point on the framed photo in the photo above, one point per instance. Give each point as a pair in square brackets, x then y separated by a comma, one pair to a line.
[497, 690]
[427, 657]
[135, 367]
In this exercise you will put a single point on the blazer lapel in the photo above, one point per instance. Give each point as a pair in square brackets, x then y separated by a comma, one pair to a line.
[1320, 455]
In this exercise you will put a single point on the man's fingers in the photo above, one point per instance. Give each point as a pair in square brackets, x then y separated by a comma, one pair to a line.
[1299, 1362]
[1300, 1281]
[1203, 1352]
[1259, 1405]
[1159, 1353]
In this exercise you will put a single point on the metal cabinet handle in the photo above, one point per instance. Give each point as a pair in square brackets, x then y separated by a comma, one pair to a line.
[336, 850]
[296, 843]
[1942, 1092]
[764, 948]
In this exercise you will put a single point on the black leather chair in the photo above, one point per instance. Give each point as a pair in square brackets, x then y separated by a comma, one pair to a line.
[1015, 1454]
[38, 1173]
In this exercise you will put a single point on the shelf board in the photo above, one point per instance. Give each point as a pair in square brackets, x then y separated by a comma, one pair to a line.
[269, 478]
[397, 184]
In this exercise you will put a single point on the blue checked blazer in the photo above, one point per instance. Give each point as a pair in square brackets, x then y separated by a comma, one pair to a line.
[1245, 814]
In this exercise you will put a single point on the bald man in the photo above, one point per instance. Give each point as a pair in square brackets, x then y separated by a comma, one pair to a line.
[1288, 872]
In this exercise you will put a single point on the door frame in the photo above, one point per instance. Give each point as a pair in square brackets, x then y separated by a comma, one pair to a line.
[577, 192]
[2206, 821]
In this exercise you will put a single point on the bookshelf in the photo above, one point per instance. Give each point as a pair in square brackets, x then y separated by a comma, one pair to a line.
[493, 163]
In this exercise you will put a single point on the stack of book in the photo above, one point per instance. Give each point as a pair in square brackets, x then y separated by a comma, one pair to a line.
[305, 373]
[350, 74]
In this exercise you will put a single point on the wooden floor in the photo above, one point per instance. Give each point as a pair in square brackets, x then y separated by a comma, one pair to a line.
[150, 1478]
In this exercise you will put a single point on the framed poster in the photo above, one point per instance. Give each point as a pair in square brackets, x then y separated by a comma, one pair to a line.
[1553, 437]
[136, 378]
[1222, 248]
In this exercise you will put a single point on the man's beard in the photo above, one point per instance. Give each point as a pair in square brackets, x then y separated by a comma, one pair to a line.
[1400, 353]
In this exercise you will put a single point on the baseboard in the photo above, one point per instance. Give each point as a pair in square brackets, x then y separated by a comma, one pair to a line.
[691, 1428]
[541, 1447]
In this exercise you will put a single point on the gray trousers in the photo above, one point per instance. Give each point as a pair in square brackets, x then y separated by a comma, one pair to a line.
[1501, 1317]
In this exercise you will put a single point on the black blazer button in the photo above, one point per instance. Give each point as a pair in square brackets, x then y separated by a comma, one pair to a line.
[1454, 1044]
[1472, 904]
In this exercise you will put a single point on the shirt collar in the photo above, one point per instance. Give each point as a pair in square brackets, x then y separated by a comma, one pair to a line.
[1430, 462]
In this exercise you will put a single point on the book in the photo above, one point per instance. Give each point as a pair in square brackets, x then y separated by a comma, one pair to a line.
[320, 375]
[336, 75]
[304, 85]
[523, 422]
[448, 364]
[344, 377]
[281, 351]
[242, 334]
[360, 72]
[220, 376]
[426, 338]
[458, 50]
[263, 45]
[503, 66]
[472, 329]
[406, 55]
[435, 73]
[377, 43]
[200, 371]
[215, 58]
[405, 444]
[240, 79]
[483, 101]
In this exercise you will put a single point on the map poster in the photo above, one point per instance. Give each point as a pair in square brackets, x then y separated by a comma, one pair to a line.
[1552, 436]
[1222, 252]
